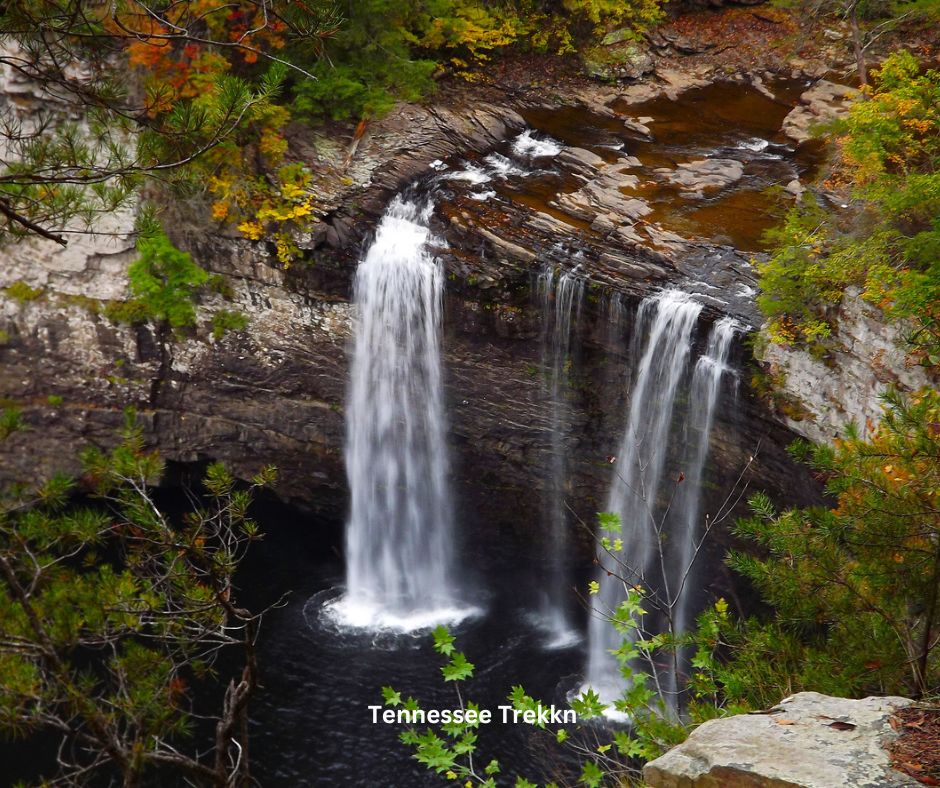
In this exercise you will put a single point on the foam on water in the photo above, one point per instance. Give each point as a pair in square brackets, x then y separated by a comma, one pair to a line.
[471, 173]
[754, 144]
[503, 166]
[534, 147]
[350, 613]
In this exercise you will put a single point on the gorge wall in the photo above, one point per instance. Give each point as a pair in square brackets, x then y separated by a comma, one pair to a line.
[274, 392]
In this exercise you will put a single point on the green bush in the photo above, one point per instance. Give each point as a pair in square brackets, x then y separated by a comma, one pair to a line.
[11, 420]
[227, 320]
[131, 311]
[165, 282]
[855, 589]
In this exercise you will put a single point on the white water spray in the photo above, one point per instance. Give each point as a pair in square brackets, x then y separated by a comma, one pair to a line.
[528, 145]
[401, 566]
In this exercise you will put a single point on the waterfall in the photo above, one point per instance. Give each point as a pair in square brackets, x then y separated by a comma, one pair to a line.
[703, 399]
[560, 298]
[614, 315]
[666, 321]
[401, 565]
[660, 516]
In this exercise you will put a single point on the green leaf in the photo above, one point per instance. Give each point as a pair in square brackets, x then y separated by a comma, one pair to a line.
[443, 641]
[609, 521]
[458, 668]
[391, 697]
[588, 704]
[591, 775]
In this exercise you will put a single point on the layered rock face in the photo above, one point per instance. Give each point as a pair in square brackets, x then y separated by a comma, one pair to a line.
[274, 392]
[826, 395]
[807, 741]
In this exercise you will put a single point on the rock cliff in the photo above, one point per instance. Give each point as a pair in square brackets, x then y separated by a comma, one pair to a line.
[274, 391]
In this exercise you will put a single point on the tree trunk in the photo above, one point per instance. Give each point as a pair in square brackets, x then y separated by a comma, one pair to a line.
[922, 664]
[858, 45]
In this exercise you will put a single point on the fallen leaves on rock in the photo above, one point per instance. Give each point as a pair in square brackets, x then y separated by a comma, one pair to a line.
[916, 751]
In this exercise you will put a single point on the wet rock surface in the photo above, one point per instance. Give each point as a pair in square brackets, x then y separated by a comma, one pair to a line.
[695, 178]
[807, 741]
[274, 392]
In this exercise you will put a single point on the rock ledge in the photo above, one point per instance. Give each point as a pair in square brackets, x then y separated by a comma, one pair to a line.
[808, 741]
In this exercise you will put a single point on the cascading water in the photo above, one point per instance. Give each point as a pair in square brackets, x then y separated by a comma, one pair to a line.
[666, 320]
[703, 400]
[401, 567]
[614, 315]
[560, 296]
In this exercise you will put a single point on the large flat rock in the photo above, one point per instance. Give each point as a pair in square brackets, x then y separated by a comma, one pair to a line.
[809, 740]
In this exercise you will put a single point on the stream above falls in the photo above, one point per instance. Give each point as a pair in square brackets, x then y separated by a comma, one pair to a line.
[722, 122]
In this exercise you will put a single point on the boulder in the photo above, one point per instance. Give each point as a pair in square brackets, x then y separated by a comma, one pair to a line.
[624, 60]
[795, 188]
[809, 740]
[618, 36]
[695, 178]
[580, 162]
[823, 102]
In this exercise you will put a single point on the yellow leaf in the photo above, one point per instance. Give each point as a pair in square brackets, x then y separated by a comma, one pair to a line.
[252, 230]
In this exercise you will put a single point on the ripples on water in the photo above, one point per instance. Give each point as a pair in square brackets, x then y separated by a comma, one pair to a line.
[311, 722]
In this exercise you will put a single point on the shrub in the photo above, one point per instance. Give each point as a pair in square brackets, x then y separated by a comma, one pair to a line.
[890, 246]
[165, 282]
[856, 588]
[227, 320]
[11, 420]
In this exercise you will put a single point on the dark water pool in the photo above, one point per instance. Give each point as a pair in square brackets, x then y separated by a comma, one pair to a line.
[311, 722]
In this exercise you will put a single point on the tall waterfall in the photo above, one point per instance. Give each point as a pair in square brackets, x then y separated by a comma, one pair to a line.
[401, 566]
[659, 515]
[703, 399]
[560, 296]
[666, 321]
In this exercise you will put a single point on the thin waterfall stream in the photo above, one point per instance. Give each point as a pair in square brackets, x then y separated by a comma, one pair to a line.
[659, 514]
[704, 395]
[560, 295]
